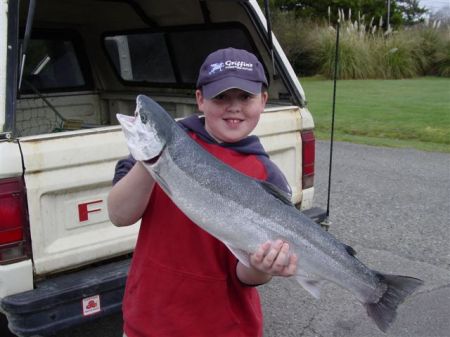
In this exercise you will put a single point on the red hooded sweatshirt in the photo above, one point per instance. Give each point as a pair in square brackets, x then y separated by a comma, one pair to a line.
[182, 281]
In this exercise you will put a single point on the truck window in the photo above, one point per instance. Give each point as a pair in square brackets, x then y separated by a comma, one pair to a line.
[56, 88]
[51, 65]
[140, 57]
[171, 57]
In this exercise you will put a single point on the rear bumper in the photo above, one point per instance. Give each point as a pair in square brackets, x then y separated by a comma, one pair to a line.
[57, 303]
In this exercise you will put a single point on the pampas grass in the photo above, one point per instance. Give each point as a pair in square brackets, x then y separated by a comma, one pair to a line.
[366, 50]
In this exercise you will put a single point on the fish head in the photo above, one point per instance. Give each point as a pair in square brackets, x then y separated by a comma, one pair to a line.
[148, 131]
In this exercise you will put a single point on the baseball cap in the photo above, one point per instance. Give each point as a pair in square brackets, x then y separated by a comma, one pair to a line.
[230, 68]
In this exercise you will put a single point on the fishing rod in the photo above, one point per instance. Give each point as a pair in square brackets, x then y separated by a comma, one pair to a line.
[336, 62]
[333, 112]
[26, 40]
[269, 34]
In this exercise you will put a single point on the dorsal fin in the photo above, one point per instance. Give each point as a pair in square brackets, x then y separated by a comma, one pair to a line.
[277, 192]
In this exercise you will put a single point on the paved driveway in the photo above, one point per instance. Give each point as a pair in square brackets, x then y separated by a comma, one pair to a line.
[393, 207]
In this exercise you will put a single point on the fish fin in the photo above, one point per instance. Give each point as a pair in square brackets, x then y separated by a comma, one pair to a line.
[349, 250]
[277, 192]
[161, 182]
[312, 286]
[398, 288]
[241, 255]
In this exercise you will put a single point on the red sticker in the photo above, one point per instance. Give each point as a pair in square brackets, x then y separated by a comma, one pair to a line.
[91, 305]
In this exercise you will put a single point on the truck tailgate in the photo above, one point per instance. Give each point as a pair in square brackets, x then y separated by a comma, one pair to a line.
[68, 176]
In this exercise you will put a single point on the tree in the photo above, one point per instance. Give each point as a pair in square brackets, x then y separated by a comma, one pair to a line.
[411, 10]
[401, 11]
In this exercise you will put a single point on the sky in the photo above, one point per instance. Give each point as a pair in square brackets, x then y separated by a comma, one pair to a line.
[434, 5]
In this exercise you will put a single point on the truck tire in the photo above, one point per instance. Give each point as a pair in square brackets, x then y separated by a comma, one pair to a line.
[4, 331]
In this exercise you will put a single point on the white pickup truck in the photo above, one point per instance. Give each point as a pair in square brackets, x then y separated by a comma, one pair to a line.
[66, 68]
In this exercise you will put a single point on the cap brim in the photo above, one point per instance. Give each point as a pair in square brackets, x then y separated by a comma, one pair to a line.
[215, 88]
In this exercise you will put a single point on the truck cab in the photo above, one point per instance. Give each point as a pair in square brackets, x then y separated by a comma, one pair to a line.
[66, 69]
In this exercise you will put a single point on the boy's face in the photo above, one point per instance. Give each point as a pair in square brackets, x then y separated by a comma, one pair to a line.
[232, 115]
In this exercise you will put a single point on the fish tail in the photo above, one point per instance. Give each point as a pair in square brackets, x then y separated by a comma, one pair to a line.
[384, 312]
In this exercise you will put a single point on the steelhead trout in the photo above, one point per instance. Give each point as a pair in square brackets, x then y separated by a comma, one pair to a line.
[243, 213]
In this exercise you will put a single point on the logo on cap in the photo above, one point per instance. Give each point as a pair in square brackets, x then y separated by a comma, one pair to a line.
[239, 65]
[216, 67]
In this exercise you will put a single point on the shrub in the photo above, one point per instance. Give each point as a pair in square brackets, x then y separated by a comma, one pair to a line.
[294, 35]
[355, 57]
[435, 45]
[442, 60]
[365, 51]
[397, 55]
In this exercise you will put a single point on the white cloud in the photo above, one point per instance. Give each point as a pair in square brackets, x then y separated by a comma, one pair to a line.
[434, 5]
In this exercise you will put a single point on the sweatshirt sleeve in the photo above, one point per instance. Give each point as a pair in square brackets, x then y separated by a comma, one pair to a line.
[123, 166]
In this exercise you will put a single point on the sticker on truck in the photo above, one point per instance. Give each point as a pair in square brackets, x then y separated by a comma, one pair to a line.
[91, 305]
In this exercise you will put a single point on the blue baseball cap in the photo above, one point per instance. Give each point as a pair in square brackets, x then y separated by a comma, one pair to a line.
[230, 68]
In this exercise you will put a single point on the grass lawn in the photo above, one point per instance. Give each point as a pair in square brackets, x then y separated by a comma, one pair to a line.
[402, 113]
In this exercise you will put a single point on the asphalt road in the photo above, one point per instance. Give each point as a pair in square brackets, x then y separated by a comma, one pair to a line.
[393, 207]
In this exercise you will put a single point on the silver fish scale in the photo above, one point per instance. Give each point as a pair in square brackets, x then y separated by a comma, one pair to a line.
[241, 213]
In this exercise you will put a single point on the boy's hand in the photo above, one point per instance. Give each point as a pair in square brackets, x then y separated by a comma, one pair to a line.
[274, 258]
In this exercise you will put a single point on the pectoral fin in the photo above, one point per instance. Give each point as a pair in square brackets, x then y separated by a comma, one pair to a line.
[310, 285]
[160, 180]
[277, 193]
[241, 255]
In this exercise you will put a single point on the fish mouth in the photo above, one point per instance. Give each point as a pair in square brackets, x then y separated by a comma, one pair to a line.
[152, 161]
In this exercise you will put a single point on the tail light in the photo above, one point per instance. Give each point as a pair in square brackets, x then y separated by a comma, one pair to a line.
[14, 238]
[308, 156]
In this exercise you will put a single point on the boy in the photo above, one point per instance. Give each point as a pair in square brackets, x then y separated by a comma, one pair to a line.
[182, 281]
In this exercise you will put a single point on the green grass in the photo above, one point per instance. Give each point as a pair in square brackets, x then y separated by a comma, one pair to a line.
[398, 113]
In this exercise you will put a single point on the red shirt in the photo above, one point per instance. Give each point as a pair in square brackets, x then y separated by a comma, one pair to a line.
[182, 281]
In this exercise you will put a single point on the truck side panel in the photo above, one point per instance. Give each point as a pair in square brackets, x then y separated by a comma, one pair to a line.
[279, 130]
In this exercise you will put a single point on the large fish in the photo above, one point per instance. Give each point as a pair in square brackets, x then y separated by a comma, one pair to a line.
[243, 212]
